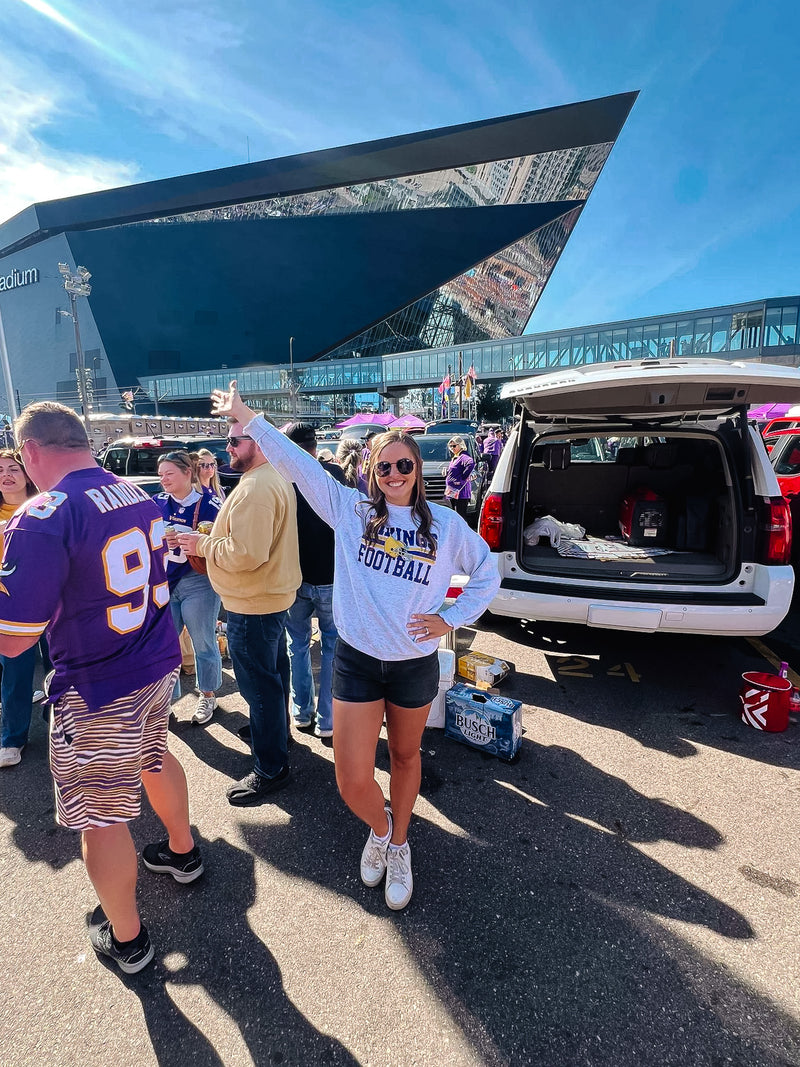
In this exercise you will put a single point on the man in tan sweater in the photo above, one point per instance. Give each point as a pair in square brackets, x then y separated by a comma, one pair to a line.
[253, 563]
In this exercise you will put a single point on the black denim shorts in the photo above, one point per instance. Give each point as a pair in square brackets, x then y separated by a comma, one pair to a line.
[360, 679]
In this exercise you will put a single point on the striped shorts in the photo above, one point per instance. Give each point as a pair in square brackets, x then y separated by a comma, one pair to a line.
[97, 757]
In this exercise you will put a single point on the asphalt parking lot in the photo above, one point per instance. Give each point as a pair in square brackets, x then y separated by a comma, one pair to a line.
[627, 893]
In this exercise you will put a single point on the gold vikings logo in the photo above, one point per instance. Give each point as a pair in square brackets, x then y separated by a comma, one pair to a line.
[394, 548]
[4, 573]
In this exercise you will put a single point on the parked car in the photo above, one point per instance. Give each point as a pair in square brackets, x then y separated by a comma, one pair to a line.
[784, 455]
[715, 557]
[435, 457]
[452, 426]
[136, 458]
[361, 429]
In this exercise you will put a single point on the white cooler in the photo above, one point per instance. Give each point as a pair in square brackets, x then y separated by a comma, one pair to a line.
[447, 672]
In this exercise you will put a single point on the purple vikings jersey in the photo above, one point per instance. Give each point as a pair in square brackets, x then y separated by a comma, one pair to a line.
[85, 561]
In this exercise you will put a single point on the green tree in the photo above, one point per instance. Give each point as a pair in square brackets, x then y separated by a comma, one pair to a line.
[490, 407]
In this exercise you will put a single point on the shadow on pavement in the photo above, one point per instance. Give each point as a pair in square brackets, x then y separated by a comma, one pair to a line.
[538, 921]
[206, 941]
[664, 690]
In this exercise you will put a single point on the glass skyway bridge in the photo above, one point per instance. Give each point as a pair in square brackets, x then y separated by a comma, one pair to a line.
[765, 330]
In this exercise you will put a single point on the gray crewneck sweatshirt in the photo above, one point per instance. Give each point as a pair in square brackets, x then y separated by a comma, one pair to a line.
[378, 586]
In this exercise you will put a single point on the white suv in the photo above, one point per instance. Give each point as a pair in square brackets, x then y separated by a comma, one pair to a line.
[685, 527]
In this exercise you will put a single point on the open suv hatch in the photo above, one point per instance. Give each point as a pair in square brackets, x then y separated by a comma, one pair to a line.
[685, 526]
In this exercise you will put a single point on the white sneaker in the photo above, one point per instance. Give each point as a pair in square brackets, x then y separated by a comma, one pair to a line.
[399, 880]
[205, 709]
[10, 757]
[373, 858]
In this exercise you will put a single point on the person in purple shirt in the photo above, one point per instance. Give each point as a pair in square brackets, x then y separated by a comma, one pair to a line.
[492, 447]
[458, 474]
[84, 561]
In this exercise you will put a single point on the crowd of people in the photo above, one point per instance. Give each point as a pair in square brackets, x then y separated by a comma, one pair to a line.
[354, 544]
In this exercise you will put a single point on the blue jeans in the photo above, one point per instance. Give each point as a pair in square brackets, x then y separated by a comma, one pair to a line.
[195, 605]
[257, 644]
[16, 695]
[312, 600]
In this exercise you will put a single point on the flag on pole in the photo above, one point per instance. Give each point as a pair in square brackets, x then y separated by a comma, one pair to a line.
[445, 384]
[469, 383]
[471, 373]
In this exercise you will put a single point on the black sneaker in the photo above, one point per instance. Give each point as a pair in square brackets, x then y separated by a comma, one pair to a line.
[255, 788]
[131, 956]
[184, 867]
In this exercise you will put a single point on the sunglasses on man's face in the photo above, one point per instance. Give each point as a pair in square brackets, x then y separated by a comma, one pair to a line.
[234, 441]
[384, 468]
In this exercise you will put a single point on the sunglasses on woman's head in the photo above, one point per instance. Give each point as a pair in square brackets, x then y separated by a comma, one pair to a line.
[404, 466]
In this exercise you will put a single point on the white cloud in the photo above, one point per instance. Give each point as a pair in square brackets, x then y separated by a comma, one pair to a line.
[173, 64]
[30, 171]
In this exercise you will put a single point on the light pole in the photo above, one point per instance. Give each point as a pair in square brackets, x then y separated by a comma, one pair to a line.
[76, 284]
[12, 405]
[292, 380]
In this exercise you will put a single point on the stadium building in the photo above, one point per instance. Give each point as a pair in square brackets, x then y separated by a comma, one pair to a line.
[346, 256]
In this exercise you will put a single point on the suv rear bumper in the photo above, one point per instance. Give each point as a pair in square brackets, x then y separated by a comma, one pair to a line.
[724, 613]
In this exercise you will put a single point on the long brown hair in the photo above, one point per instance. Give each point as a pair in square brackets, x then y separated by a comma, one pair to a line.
[378, 511]
[9, 453]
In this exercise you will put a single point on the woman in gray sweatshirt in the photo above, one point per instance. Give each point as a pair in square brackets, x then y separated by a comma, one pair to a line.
[395, 555]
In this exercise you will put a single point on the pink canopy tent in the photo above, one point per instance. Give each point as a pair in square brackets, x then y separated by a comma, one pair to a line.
[765, 412]
[386, 419]
[408, 422]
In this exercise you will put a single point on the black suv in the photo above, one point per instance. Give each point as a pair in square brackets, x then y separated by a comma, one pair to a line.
[136, 458]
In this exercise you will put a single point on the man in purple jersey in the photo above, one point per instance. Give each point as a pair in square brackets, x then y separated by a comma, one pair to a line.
[84, 560]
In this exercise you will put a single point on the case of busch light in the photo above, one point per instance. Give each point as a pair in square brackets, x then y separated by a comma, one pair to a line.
[482, 720]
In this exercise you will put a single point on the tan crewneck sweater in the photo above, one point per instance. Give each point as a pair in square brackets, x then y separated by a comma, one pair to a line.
[251, 552]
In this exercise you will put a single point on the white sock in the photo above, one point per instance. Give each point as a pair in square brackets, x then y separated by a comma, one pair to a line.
[383, 840]
[398, 847]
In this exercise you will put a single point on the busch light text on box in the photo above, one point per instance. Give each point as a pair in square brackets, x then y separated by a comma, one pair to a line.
[491, 723]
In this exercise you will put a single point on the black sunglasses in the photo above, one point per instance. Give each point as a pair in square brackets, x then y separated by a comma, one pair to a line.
[404, 466]
[236, 441]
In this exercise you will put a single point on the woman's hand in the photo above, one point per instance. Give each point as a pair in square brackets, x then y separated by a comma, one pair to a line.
[427, 627]
[230, 403]
[188, 542]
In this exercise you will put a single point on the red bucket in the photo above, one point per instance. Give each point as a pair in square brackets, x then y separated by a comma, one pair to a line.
[765, 701]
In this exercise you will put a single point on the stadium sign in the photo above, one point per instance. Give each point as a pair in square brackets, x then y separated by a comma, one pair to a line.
[18, 278]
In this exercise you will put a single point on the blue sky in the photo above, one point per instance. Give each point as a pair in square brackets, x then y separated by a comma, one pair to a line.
[698, 205]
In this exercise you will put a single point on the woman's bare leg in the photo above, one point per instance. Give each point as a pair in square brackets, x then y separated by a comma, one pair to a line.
[356, 728]
[404, 727]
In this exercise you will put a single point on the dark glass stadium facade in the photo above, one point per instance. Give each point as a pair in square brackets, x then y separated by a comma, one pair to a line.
[440, 238]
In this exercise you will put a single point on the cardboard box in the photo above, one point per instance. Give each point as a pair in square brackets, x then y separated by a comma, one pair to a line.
[482, 670]
[447, 670]
[482, 720]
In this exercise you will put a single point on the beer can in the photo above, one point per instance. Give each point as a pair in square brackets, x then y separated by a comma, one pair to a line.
[204, 527]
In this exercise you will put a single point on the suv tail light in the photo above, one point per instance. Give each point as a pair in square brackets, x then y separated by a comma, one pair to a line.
[490, 526]
[774, 530]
